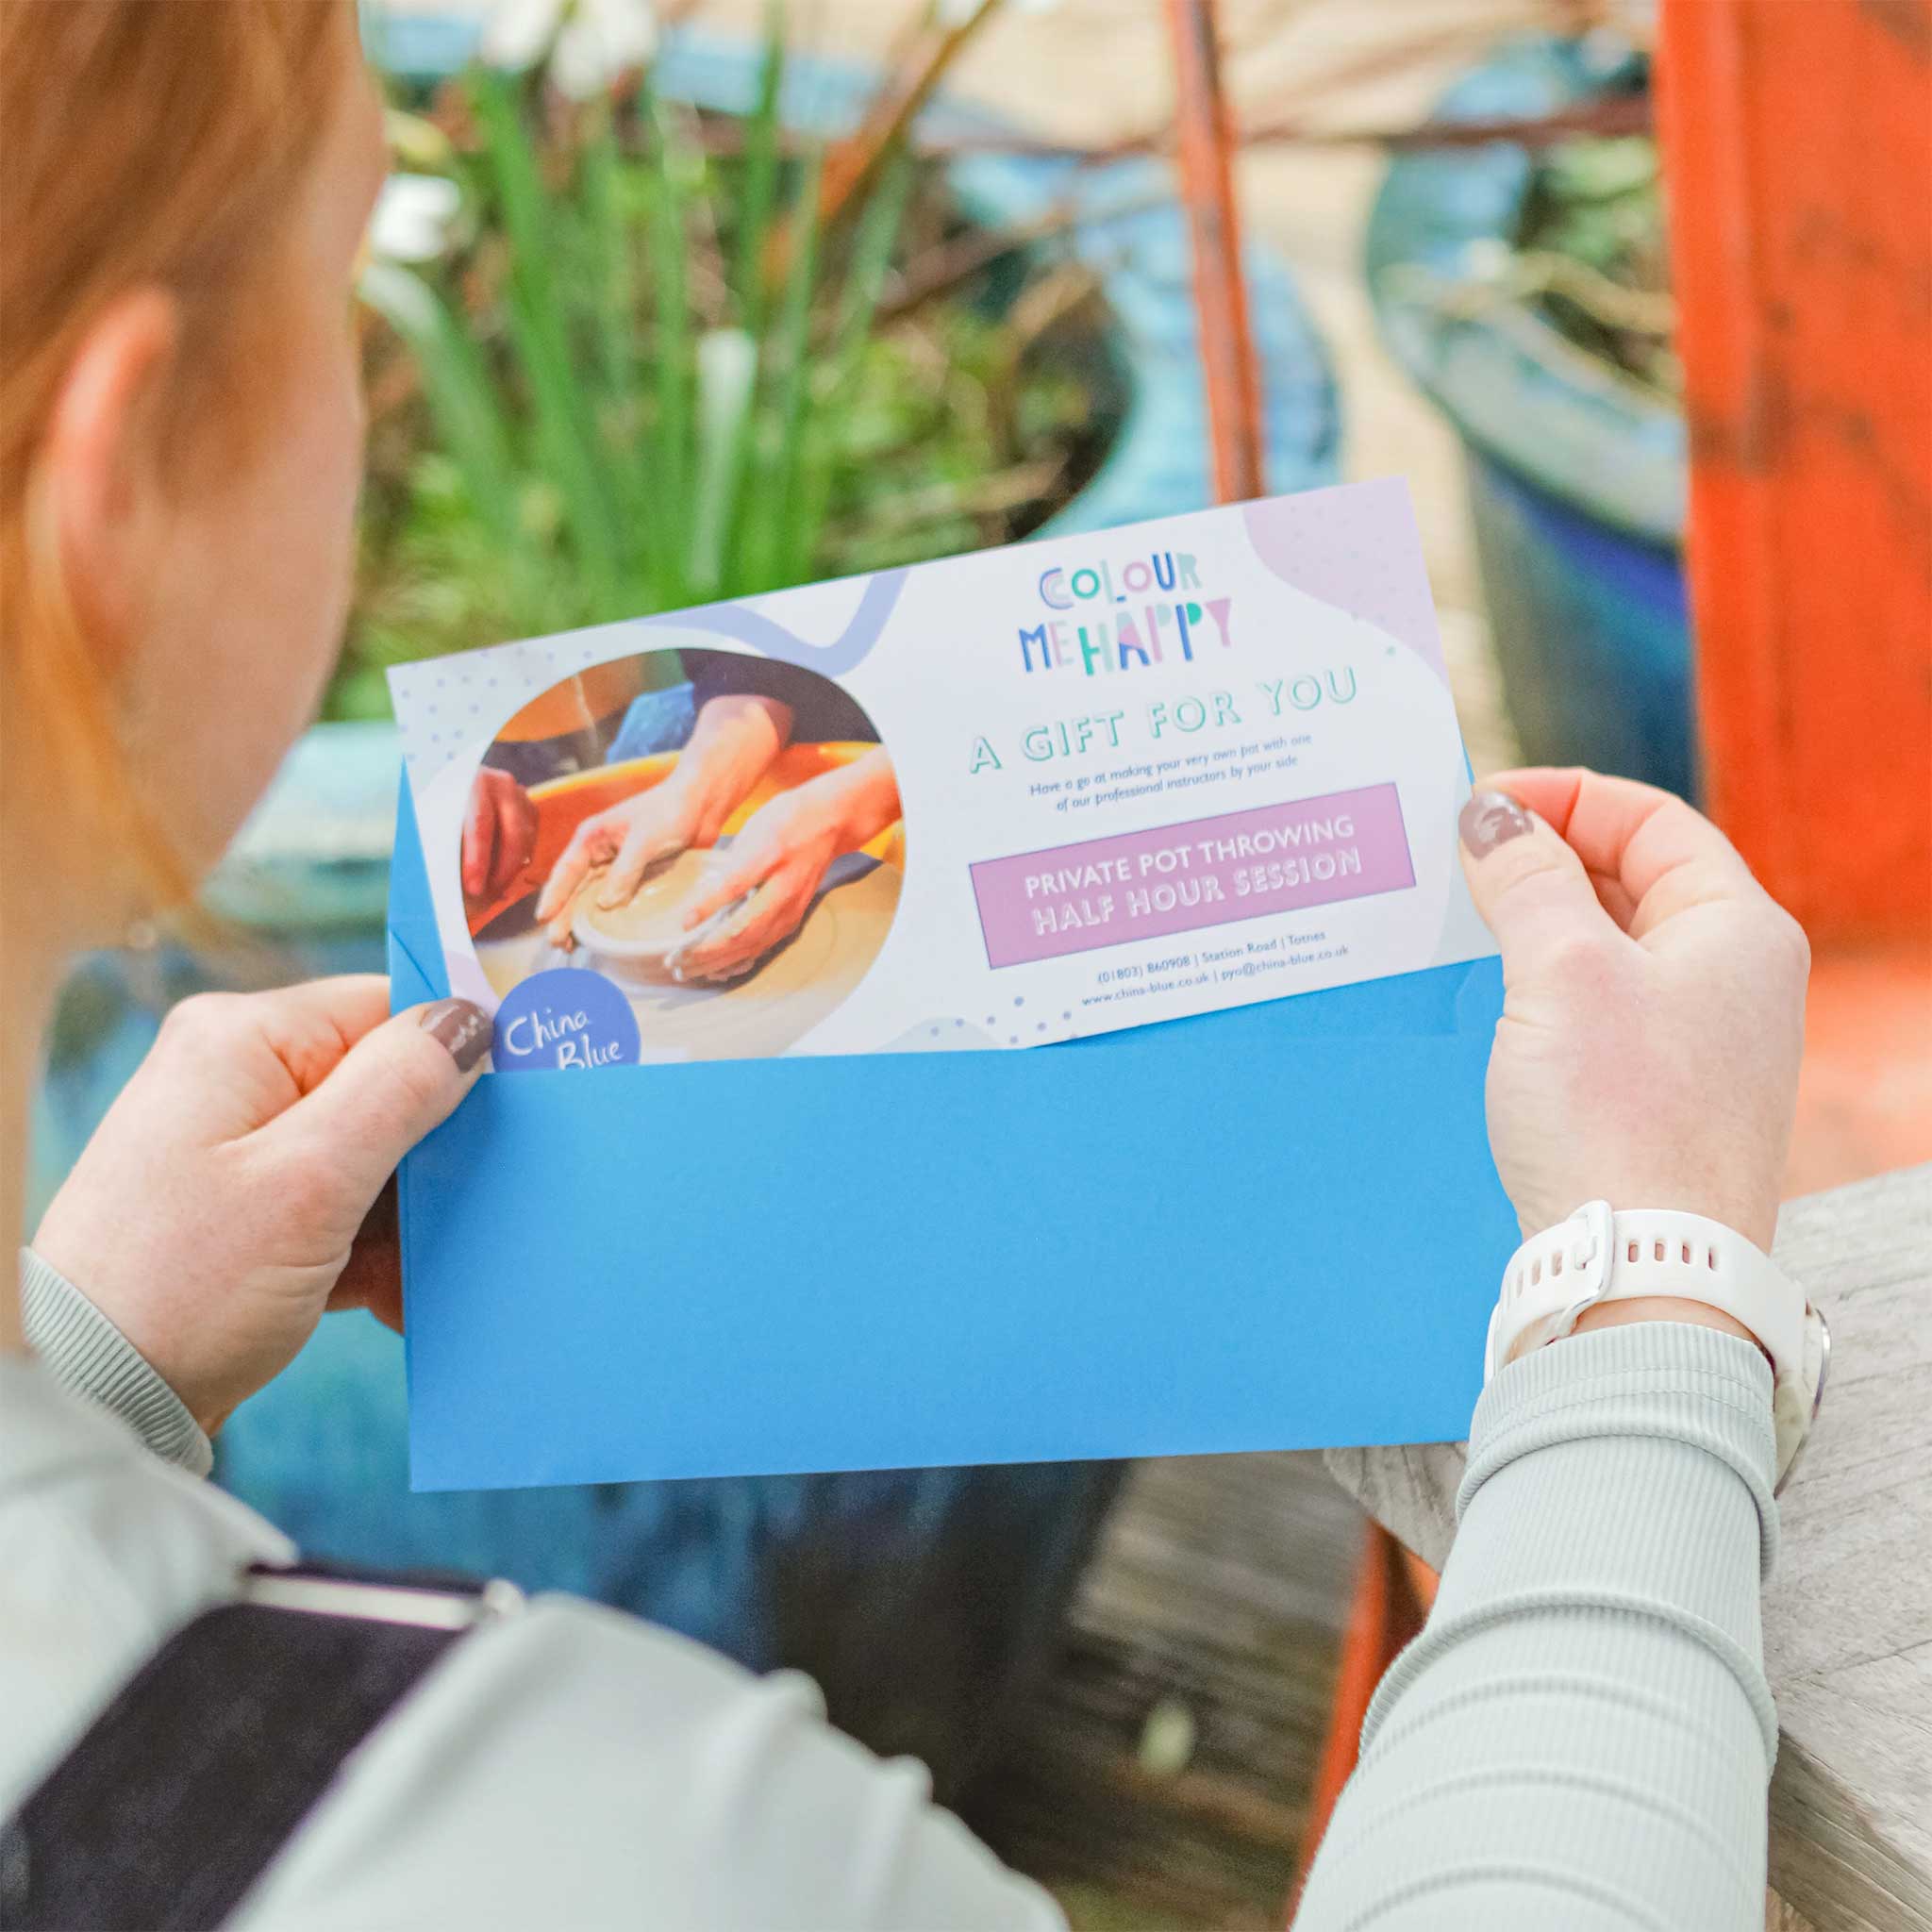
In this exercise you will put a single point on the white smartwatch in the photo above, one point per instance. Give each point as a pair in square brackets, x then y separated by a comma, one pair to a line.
[1600, 1255]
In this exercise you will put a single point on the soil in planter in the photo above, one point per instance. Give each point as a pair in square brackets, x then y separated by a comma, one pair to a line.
[966, 402]
[1592, 244]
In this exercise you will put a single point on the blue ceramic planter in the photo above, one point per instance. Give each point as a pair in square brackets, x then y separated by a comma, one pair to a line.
[927, 1603]
[1576, 479]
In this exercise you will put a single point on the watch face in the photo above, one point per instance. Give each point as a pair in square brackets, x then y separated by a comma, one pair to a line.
[1816, 1368]
[1818, 1335]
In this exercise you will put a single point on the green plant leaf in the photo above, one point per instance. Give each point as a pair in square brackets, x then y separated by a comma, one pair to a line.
[667, 452]
[461, 397]
[758, 194]
[779, 451]
[610, 273]
[872, 256]
[540, 338]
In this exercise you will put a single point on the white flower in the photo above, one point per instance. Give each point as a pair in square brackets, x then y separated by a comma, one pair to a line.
[590, 42]
[727, 367]
[413, 216]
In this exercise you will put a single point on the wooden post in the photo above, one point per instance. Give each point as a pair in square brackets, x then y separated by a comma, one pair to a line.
[1227, 355]
[1798, 150]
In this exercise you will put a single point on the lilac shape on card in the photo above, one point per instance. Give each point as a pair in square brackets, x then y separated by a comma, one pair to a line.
[744, 625]
[1356, 548]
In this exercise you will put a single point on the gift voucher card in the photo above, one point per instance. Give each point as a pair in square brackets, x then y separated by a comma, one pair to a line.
[1000, 799]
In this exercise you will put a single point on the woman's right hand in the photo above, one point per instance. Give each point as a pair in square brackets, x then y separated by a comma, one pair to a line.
[1653, 1017]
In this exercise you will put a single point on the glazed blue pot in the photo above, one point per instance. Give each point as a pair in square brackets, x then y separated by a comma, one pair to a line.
[927, 1603]
[1576, 478]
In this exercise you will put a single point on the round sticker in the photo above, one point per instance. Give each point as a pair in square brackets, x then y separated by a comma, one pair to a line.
[561, 1018]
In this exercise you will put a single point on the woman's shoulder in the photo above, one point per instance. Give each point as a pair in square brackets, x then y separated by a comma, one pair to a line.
[688, 1791]
[104, 1551]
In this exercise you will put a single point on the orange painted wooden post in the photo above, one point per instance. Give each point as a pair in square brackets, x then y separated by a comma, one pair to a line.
[1393, 1592]
[1205, 139]
[1798, 152]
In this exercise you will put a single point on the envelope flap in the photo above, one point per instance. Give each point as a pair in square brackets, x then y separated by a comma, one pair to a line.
[1202, 1237]
[415, 954]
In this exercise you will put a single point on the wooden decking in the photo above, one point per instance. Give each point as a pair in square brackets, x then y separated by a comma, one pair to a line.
[1164, 1780]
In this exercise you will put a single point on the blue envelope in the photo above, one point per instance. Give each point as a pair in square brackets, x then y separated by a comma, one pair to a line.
[1274, 1227]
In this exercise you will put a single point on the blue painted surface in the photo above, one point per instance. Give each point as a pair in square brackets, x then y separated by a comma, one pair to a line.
[1591, 631]
[925, 1602]
[1577, 480]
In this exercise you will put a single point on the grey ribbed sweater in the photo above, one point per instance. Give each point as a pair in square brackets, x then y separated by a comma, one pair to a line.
[1582, 1735]
[1580, 1740]
[84, 1353]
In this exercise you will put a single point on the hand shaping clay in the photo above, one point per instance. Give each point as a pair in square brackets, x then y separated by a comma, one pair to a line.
[652, 920]
[765, 1012]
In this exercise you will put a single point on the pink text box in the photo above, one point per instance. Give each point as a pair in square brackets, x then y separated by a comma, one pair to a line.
[1202, 873]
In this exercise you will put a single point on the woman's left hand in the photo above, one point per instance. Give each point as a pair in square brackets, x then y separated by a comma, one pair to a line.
[779, 859]
[216, 1212]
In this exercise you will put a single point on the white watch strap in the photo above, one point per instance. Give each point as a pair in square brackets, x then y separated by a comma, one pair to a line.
[1598, 1256]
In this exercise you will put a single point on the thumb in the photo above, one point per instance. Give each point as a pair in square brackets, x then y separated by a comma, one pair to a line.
[573, 862]
[1529, 886]
[396, 1083]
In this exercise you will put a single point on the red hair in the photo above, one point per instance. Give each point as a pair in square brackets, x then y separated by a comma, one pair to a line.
[143, 142]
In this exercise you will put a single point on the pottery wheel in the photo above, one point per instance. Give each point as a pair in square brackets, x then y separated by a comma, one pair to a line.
[763, 1014]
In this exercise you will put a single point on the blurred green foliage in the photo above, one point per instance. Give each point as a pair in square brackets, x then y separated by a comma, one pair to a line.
[647, 372]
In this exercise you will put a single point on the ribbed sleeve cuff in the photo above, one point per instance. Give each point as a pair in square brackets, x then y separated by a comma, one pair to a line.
[1621, 1478]
[88, 1357]
[1664, 1381]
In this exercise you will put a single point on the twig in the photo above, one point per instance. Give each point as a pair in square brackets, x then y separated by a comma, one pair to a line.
[1042, 306]
[1394, 56]
[1003, 490]
[852, 163]
[1636, 312]
[943, 269]
[1615, 115]
[1500, 307]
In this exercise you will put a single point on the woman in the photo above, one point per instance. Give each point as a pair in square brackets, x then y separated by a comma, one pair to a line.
[1580, 1738]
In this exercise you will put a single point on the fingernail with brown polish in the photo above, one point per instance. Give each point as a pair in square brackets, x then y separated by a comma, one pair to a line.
[1491, 819]
[463, 1027]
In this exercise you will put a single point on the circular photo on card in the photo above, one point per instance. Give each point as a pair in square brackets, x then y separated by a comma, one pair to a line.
[715, 835]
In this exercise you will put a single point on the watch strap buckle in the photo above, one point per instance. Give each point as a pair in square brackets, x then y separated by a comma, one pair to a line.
[1553, 1278]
